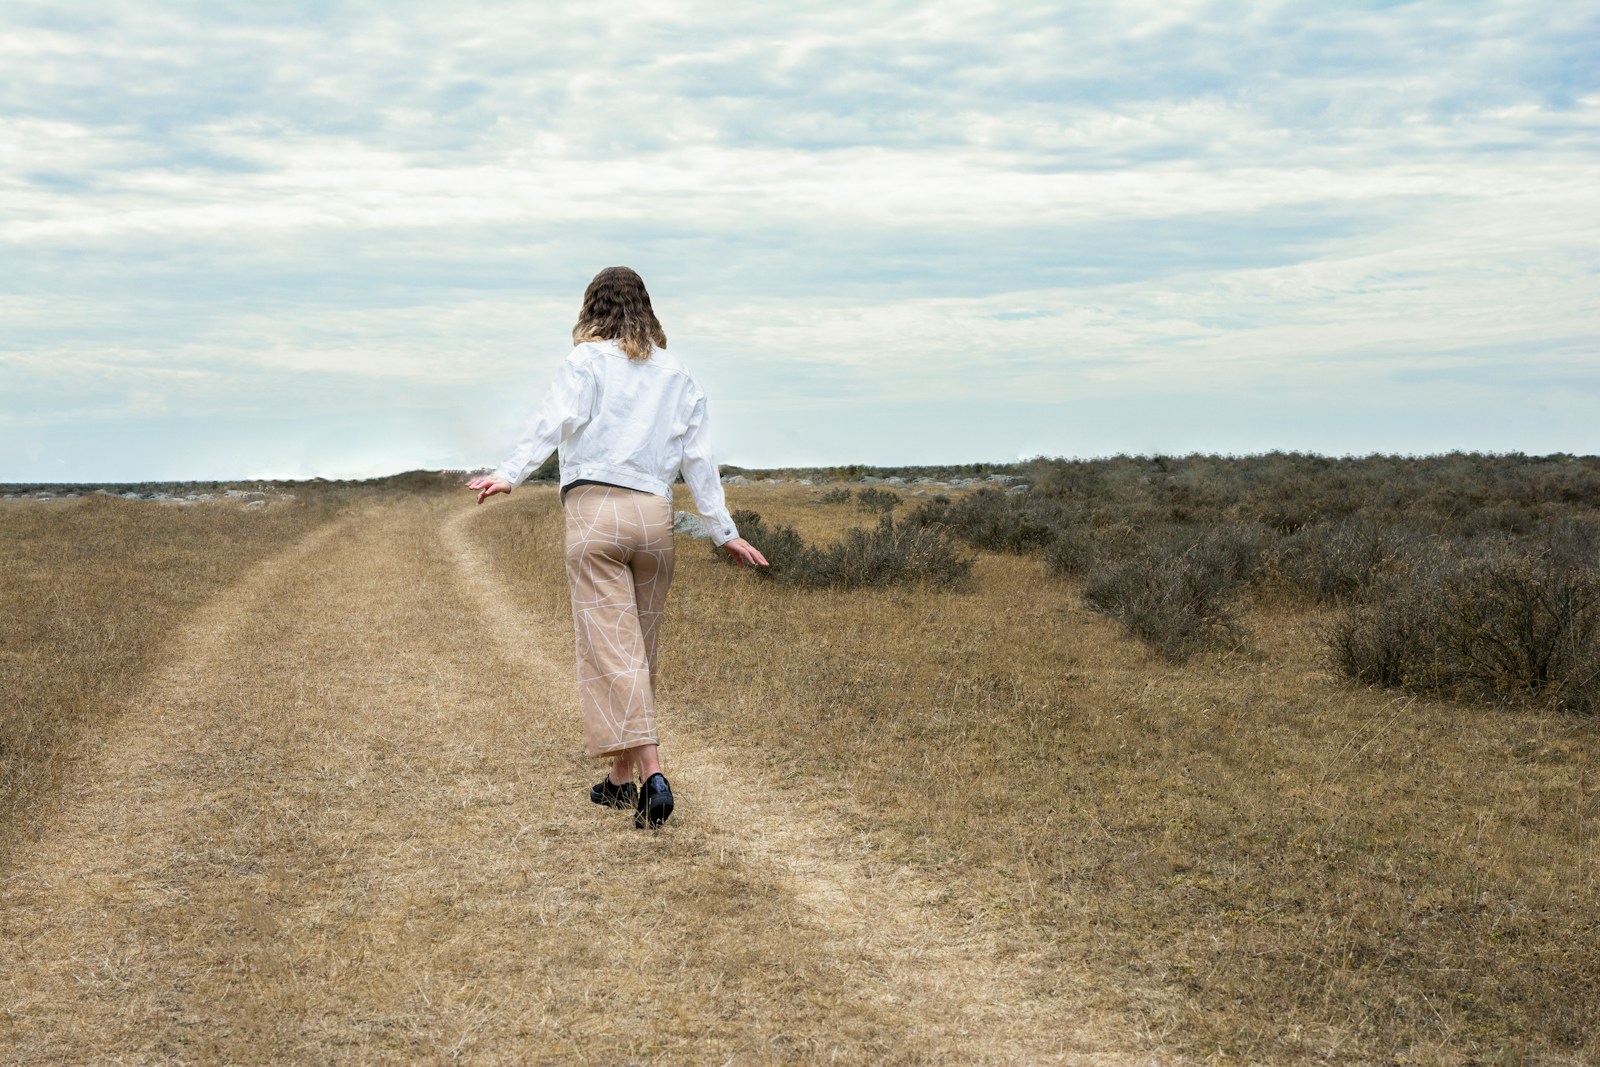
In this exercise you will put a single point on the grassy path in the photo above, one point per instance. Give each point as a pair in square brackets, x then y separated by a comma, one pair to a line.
[344, 823]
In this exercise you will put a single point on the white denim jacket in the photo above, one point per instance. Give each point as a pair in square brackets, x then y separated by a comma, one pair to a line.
[627, 423]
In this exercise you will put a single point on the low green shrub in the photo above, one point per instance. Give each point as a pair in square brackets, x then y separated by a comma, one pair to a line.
[1174, 593]
[996, 520]
[888, 554]
[880, 501]
[1505, 627]
[839, 494]
[781, 545]
[1337, 563]
[1078, 550]
[1409, 548]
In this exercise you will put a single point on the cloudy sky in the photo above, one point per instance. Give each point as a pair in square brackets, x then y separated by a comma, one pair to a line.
[345, 239]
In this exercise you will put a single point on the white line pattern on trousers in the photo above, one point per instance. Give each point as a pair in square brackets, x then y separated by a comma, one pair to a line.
[619, 564]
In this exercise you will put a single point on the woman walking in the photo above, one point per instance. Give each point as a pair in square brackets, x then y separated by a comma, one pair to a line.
[627, 418]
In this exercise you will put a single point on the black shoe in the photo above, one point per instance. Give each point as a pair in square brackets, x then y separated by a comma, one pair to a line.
[655, 802]
[613, 795]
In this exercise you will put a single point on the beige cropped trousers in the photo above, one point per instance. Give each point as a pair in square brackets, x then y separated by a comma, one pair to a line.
[619, 564]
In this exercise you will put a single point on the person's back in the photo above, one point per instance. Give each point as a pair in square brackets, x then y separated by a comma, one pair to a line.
[628, 418]
[641, 412]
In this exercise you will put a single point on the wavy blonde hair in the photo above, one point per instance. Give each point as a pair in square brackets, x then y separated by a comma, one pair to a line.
[616, 307]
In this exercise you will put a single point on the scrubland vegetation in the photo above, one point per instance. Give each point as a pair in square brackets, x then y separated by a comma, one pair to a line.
[1281, 859]
[1273, 759]
[882, 556]
[1471, 576]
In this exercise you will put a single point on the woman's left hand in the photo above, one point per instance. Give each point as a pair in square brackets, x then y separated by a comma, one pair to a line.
[744, 553]
[488, 486]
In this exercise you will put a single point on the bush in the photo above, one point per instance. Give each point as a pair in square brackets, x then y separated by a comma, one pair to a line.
[1174, 594]
[839, 494]
[877, 500]
[1080, 550]
[1337, 563]
[1512, 627]
[1072, 554]
[886, 555]
[996, 520]
[781, 545]
[1574, 543]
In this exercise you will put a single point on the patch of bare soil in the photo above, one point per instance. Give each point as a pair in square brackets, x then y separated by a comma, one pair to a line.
[346, 823]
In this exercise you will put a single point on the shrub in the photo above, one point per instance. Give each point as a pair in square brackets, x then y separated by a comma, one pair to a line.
[1336, 563]
[1079, 550]
[934, 511]
[839, 494]
[1407, 547]
[1574, 543]
[781, 545]
[1173, 594]
[1510, 627]
[996, 520]
[877, 500]
[886, 555]
[1072, 554]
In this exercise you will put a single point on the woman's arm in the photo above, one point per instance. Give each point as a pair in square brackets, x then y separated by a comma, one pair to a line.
[700, 472]
[566, 409]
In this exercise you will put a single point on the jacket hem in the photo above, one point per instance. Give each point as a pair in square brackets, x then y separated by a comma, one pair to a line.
[599, 472]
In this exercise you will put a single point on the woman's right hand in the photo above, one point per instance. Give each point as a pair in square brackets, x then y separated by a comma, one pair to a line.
[488, 486]
[744, 553]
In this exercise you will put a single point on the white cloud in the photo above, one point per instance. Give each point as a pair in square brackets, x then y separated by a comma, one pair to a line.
[882, 199]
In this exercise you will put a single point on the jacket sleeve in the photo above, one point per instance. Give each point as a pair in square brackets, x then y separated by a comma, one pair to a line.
[700, 471]
[566, 409]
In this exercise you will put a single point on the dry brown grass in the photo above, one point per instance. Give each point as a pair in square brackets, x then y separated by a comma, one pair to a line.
[90, 589]
[1268, 863]
[341, 820]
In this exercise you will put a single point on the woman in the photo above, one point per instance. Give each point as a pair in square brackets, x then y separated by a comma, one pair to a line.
[627, 418]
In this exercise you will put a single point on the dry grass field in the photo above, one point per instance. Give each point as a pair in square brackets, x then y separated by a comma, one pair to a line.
[90, 588]
[328, 807]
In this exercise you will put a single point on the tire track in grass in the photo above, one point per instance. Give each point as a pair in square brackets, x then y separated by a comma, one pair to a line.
[881, 941]
[330, 834]
[87, 966]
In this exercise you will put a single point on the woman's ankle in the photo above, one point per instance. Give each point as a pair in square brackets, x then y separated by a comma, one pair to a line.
[647, 761]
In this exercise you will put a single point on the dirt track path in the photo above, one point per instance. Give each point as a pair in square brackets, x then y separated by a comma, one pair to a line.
[329, 831]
